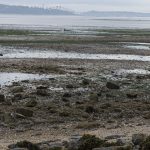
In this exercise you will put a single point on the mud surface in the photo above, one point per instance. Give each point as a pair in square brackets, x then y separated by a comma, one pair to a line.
[76, 96]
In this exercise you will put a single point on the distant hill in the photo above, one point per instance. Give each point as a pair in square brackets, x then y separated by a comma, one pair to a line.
[114, 14]
[23, 10]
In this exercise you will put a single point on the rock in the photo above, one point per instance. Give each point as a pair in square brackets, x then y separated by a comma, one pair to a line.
[1, 54]
[127, 147]
[2, 98]
[69, 86]
[42, 87]
[7, 118]
[111, 85]
[67, 95]
[86, 81]
[116, 136]
[132, 95]
[19, 149]
[93, 97]
[42, 92]
[89, 142]
[73, 143]
[24, 112]
[31, 103]
[147, 115]
[18, 116]
[23, 145]
[138, 139]
[50, 145]
[17, 97]
[121, 142]
[90, 109]
[17, 89]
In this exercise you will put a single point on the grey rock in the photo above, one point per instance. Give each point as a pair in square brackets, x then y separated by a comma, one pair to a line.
[112, 85]
[17, 89]
[31, 103]
[2, 98]
[126, 147]
[138, 139]
[24, 112]
[42, 92]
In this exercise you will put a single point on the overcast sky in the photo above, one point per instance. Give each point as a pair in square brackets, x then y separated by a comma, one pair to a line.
[85, 5]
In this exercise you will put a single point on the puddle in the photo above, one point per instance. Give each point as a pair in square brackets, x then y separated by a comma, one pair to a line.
[143, 47]
[8, 78]
[134, 71]
[73, 55]
[56, 89]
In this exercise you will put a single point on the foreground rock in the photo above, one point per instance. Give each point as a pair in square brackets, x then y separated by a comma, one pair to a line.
[86, 142]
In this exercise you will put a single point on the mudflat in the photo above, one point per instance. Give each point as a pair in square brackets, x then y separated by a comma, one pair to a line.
[46, 98]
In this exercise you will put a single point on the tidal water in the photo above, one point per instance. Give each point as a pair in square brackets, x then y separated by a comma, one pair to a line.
[48, 22]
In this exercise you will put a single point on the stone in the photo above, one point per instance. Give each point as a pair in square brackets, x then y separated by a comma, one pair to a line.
[17, 89]
[73, 143]
[24, 112]
[19, 149]
[112, 85]
[42, 87]
[93, 97]
[17, 97]
[90, 109]
[116, 136]
[1, 54]
[66, 95]
[86, 81]
[24, 145]
[126, 147]
[2, 98]
[69, 86]
[138, 139]
[132, 95]
[42, 92]
[31, 103]
[7, 118]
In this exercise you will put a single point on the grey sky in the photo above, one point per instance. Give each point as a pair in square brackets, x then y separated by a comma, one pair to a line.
[85, 5]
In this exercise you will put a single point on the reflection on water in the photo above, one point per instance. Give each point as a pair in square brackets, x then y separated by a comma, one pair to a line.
[74, 55]
[134, 71]
[47, 22]
[8, 78]
[143, 47]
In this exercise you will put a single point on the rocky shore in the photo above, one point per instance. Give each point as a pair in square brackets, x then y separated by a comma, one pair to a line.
[74, 104]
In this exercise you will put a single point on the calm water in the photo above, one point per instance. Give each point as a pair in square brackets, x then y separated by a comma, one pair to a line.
[73, 55]
[7, 78]
[46, 22]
